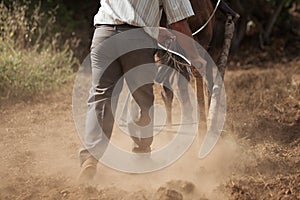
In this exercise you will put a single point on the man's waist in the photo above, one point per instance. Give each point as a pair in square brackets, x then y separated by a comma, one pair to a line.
[117, 26]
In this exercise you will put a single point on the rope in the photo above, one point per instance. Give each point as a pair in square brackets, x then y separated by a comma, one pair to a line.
[209, 19]
[175, 53]
[164, 125]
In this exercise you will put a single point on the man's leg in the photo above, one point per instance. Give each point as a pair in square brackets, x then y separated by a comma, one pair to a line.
[143, 95]
[99, 120]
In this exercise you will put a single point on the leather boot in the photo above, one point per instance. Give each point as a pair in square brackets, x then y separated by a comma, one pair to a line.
[88, 170]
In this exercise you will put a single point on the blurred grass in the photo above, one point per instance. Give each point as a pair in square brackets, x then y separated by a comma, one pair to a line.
[33, 57]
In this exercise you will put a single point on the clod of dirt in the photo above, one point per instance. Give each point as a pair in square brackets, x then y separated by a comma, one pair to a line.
[175, 190]
[64, 193]
[182, 186]
[296, 80]
[139, 195]
[188, 187]
[164, 193]
[112, 193]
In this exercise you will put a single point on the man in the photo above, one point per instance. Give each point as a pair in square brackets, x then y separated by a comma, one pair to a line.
[114, 17]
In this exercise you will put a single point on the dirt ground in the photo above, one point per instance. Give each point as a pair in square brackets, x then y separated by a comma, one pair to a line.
[257, 157]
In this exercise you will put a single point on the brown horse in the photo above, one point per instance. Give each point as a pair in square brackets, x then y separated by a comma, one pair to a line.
[203, 9]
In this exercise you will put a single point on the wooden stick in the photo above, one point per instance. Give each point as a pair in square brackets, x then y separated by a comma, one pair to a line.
[216, 118]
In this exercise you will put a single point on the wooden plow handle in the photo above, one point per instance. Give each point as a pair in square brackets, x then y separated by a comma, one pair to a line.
[215, 113]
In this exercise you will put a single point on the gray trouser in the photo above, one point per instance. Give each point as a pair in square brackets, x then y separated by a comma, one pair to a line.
[100, 115]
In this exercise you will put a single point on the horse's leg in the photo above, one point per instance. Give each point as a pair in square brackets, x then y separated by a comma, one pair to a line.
[203, 10]
[184, 97]
[163, 77]
[208, 83]
[167, 96]
[200, 100]
[203, 92]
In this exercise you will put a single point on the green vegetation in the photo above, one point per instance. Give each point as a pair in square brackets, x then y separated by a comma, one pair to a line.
[33, 58]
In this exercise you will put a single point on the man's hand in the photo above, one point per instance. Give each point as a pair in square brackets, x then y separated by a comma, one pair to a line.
[197, 62]
[165, 37]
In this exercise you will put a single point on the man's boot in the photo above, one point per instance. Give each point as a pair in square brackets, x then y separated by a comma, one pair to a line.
[88, 169]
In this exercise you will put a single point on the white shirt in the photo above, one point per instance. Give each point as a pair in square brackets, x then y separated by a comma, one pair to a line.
[142, 13]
